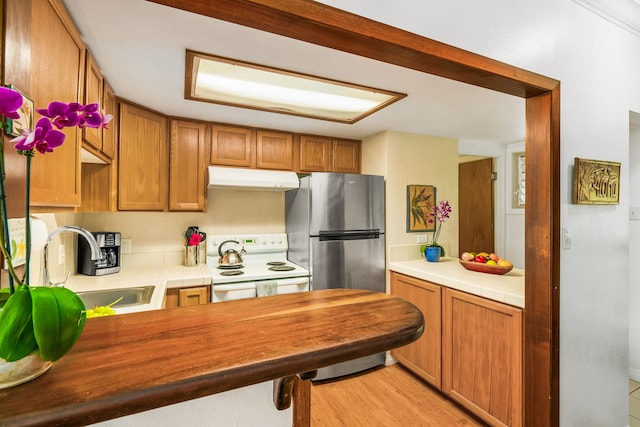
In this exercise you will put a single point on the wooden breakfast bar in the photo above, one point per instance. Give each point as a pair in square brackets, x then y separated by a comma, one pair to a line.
[131, 363]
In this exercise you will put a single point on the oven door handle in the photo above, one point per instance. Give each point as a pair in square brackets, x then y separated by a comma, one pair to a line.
[293, 281]
[233, 287]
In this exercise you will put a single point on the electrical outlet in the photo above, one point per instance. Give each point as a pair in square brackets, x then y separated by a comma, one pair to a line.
[61, 254]
[421, 239]
[566, 238]
[125, 246]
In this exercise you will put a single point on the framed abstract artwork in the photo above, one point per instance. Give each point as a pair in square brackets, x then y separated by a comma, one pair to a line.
[596, 182]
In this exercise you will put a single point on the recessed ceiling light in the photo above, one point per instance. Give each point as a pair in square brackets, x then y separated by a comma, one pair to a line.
[230, 82]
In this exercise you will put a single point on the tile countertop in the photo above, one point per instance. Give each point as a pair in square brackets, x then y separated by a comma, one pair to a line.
[162, 277]
[508, 288]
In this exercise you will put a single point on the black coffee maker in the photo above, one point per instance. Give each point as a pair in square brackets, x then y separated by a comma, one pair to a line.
[109, 243]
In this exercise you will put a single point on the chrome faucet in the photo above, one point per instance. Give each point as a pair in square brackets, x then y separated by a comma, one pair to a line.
[96, 252]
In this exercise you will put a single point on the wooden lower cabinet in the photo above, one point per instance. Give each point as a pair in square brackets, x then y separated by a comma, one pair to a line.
[482, 357]
[184, 297]
[471, 349]
[422, 357]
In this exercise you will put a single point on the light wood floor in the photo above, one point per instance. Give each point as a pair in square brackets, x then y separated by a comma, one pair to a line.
[385, 397]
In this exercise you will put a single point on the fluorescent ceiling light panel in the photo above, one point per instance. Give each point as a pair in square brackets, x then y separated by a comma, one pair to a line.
[229, 82]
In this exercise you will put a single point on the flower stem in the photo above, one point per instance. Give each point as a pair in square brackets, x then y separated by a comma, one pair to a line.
[27, 219]
[4, 233]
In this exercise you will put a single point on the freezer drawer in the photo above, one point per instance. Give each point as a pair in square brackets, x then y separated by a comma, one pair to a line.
[352, 264]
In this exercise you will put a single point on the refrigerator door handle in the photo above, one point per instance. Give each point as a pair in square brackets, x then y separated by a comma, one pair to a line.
[349, 235]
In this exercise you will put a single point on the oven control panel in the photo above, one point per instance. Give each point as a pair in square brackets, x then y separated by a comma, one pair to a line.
[252, 243]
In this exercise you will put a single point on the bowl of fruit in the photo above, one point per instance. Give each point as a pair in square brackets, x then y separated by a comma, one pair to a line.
[484, 262]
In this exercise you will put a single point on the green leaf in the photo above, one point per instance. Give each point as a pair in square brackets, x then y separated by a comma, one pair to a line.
[4, 296]
[16, 327]
[58, 320]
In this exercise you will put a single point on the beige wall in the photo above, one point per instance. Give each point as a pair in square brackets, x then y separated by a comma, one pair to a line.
[406, 159]
[402, 158]
[229, 212]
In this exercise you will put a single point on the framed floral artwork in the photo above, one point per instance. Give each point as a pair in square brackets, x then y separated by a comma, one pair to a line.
[420, 205]
[17, 126]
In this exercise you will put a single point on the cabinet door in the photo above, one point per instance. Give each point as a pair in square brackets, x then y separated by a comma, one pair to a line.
[423, 356]
[187, 163]
[482, 357]
[56, 69]
[274, 150]
[93, 87]
[143, 160]
[232, 146]
[184, 297]
[346, 156]
[109, 135]
[315, 153]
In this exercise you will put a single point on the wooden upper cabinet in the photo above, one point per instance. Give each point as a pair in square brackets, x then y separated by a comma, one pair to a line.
[110, 135]
[274, 150]
[315, 153]
[232, 146]
[187, 164]
[423, 356]
[143, 160]
[482, 357]
[100, 181]
[93, 93]
[346, 156]
[56, 70]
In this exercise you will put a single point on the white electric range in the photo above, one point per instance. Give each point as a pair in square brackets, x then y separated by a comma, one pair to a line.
[265, 269]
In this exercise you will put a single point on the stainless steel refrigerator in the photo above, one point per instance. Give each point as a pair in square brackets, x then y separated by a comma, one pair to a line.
[335, 229]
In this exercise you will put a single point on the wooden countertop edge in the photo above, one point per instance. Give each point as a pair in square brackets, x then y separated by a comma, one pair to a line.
[93, 410]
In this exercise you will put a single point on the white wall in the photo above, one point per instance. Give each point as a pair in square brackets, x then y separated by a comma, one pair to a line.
[634, 249]
[598, 64]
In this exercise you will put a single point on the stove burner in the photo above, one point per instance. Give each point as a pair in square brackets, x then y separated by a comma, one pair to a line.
[282, 268]
[276, 263]
[232, 273]
[230, 266]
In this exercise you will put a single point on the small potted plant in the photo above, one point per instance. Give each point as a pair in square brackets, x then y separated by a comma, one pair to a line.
[440, 214]
[38, 324]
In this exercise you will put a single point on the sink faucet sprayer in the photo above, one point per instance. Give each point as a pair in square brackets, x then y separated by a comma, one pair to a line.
[96, 252]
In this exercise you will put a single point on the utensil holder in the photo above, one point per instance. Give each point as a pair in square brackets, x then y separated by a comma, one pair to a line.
[191, 255]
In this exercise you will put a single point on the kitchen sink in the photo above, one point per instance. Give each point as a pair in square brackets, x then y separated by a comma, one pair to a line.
[130, 296]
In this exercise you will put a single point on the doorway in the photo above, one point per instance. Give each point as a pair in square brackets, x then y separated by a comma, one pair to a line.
[476, 200]
[323, 25]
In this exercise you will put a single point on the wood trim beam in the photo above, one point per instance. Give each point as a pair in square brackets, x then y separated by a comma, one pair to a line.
[334, 28]
[542, 275]
[326, 26]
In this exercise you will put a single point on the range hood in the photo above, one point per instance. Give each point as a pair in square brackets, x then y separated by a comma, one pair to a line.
[252, 179]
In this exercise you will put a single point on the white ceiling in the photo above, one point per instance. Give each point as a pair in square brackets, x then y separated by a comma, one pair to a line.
[140, 48]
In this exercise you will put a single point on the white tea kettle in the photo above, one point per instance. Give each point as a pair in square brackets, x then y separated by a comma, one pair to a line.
[230, 257]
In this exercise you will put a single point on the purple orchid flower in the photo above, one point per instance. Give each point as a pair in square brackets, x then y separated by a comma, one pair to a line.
[90, 116]
[43, 138]
[62, 114]
[10, 102]
[106, 118]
